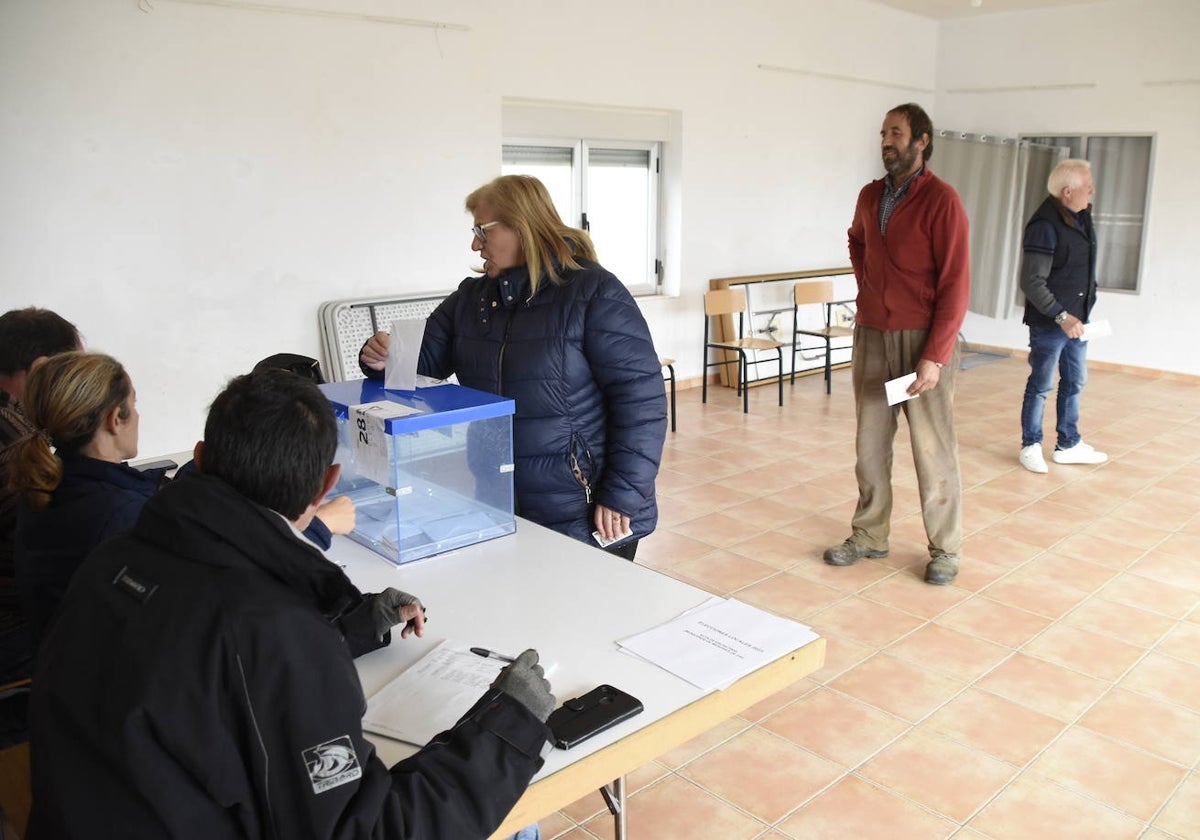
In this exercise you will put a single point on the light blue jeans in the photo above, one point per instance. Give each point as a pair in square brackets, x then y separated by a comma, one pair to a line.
[1049, 347]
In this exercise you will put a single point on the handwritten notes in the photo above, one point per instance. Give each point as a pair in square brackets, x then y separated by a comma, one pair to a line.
[431, 695]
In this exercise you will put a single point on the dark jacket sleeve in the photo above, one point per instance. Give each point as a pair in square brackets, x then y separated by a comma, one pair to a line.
[625, 365]
[323, 779]
[1035, 270]
[318, 534]
[437, 347]
[1037, 261]
[357, 627]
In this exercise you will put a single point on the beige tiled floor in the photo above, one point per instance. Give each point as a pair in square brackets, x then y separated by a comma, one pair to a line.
[1053, 692]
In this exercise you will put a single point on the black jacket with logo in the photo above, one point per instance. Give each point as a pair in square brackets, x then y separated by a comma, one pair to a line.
[196, 685]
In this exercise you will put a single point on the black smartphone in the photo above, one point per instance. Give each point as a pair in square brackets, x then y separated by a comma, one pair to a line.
[580, 718]
[162, 464]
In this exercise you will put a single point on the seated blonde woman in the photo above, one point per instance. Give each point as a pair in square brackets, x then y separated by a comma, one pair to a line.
[76, 489]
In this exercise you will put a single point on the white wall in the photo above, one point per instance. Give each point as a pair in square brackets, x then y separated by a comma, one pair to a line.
[189, 184]
[1116, 46]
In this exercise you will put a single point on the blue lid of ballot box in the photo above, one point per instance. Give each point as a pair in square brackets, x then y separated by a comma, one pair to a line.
[441, 405]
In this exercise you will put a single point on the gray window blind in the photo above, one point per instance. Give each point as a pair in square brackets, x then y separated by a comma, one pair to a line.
[537, 155]
[636, 158]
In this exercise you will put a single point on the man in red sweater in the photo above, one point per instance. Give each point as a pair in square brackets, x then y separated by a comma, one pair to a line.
[909, 249]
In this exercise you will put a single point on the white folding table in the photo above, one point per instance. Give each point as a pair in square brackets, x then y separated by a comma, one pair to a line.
[537, 588]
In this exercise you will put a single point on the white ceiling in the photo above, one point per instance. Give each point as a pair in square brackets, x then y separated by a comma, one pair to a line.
[945, 9]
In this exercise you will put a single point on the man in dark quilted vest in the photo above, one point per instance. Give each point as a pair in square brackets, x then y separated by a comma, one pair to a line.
[1058, 277]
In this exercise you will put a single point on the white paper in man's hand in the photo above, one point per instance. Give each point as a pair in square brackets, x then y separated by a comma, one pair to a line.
[897, 389]
[1096, 329]
[404, 347]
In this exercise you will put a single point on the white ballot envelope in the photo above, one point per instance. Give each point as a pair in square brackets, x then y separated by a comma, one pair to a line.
[404, 347]
[1096, 329]
[897, 389]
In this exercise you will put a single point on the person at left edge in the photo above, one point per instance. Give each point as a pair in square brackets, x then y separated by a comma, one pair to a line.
[550, 328]
[28, 337]
[195, 685]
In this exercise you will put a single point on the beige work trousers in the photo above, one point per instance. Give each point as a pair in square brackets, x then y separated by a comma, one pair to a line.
[879, 356]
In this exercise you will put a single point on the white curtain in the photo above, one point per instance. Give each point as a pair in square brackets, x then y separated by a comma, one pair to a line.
[1121, 171]
[1001, 182]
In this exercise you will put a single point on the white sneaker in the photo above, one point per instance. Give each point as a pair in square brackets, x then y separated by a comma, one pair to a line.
[1080, 453]
[1032, 459]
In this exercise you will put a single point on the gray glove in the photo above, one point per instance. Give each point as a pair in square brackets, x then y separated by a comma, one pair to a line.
[525, 681]
[385, 609]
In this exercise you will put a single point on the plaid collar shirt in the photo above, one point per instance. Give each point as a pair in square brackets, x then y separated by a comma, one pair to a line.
[891, 197]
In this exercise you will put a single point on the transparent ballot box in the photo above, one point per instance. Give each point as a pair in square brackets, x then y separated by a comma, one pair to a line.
[428, 470]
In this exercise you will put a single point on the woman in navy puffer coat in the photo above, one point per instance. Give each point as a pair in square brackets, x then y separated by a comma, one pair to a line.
[571, 349]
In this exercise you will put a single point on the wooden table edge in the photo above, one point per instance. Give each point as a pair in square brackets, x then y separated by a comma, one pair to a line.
[552, 793]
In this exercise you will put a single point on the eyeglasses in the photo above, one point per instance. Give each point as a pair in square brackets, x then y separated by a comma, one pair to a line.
[480, 231]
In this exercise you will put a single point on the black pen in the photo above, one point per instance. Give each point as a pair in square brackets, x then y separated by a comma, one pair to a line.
[491, 654]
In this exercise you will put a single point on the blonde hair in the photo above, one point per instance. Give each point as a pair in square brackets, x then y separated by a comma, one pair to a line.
[67, 398]
[522, 203]
[1068, 173]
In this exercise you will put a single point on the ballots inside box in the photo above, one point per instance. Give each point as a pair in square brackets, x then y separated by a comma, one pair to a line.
[580, 718]
[428, 470]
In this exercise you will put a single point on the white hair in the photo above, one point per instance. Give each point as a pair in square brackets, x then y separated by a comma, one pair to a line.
[1068, 173]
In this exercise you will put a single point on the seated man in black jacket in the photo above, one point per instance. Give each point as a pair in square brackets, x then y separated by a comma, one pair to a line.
[198, 684]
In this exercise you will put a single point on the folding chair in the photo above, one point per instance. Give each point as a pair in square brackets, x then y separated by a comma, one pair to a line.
[818, 292]
[347, 324]
[733, 302]
[669, 364]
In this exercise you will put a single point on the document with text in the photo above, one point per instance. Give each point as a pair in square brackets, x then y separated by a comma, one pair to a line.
[431, 695]
[718, 643]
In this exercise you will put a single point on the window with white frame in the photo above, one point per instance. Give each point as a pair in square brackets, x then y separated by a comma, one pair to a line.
[1121, 167]
[609, 188]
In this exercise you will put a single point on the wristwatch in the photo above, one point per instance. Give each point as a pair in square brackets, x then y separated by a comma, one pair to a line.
[1060, 317]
